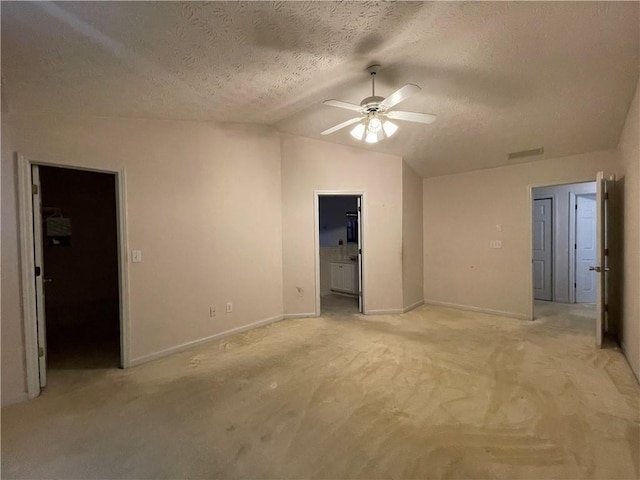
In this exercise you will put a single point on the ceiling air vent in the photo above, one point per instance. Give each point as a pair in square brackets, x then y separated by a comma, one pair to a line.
[526, 153]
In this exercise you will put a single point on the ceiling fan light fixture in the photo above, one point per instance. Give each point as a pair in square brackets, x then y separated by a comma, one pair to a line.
[371, 137]
[374, 125]
[358, 131]
[389, 128]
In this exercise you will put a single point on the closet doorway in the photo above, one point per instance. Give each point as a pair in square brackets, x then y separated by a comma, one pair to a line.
[73, 258]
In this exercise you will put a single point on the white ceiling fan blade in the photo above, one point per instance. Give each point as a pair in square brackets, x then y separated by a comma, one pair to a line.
[341, 104]
[400, 95]
[412, 116]
[341, 125]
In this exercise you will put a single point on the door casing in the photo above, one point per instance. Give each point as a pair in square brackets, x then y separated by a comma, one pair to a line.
[27, 245]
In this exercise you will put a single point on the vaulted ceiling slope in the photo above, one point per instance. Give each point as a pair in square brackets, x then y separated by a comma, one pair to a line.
[502, 77]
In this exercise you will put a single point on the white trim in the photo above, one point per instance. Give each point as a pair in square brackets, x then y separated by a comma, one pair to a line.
[389, 311]
[19, 398]
[529, 227]
[123, 268]
[408, 308]
[316, 239]
[470, 308]
[288, 316]
[25, 207]
[194, 343]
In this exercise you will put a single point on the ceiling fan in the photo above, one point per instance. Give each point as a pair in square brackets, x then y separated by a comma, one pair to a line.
[374, 123]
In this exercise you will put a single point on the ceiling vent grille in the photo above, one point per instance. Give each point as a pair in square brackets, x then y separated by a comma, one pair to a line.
[526, 153]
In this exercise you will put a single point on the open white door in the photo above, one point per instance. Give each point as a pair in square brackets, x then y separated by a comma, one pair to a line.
[39, 267]
[360, 306]
[603, 189]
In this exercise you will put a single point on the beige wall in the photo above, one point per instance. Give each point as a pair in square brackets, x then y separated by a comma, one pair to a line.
[412, 243]
[460, 217]
[309, 165]
[203, 205]
[629, 150]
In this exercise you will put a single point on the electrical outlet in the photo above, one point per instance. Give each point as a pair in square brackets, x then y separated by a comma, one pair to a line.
[229, 307]
[212, 310]
[495, 244]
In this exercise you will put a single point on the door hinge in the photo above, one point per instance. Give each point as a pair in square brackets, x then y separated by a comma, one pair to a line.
[360, 251]
[575, 285]
[606, 252]
[34, 189]
[576, 206]
[575, 246]
[40, 352]
[38, 271]
[359, 209]
[606, 307]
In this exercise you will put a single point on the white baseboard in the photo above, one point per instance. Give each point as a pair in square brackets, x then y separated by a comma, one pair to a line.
[194, 343]
[21, 397]
[390, 311]
[288, 316]
[412, 306]
[476, 309]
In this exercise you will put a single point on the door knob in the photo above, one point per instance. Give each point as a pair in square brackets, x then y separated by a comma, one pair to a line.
[598, 269]
[47, 280]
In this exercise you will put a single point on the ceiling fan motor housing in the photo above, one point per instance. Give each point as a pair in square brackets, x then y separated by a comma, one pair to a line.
[371, 104]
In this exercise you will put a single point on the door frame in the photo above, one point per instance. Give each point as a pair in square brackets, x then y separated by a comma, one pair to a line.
[27, 262]
[529, 231]
[316, 236]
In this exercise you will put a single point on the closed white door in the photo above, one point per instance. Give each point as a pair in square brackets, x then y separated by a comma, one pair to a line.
[586, 249]
[542, 265]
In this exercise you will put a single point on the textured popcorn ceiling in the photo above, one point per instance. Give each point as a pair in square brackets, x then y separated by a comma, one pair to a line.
[501, 77]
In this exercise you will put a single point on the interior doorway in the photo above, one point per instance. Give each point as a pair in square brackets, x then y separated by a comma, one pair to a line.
[339, 253]
[584, 270]
[564, 243]
[75, 223]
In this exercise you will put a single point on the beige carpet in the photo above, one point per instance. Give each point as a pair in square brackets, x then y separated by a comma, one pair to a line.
[434, 393]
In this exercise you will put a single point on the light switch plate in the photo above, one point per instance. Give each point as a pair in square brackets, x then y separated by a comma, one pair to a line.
[136, 256]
